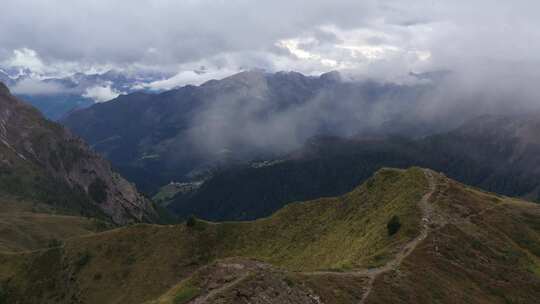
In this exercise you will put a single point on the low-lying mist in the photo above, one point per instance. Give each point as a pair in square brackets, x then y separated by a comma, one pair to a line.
[276, 113]
[255, 115]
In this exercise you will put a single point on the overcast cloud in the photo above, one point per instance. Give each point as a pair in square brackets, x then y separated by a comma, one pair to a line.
[378, 39]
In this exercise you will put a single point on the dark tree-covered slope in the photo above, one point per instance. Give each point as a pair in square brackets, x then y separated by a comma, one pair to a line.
[499, 154]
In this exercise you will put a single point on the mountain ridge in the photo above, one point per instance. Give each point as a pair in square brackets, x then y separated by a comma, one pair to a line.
[485, 240]
[153, 139]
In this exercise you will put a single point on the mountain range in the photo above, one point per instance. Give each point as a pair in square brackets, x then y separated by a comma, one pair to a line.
[177, 135]
[56, 96]
[242, 147]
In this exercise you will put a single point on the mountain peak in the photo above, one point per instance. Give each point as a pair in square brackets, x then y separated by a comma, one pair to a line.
[249, 78]
[248, 75]
[333, 76]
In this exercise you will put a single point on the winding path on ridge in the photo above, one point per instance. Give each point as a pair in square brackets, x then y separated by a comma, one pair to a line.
[214, 292]
[372, 273]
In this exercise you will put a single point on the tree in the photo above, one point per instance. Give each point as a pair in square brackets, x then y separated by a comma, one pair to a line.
[191, 221]
[393, 225]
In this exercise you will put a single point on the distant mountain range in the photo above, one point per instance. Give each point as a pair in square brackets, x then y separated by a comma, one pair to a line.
[42, 162]
[241, 147]
[183, 133]
[57, 96]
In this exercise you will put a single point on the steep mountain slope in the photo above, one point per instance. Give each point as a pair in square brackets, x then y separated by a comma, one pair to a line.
[325, 167]
[499, 154]
[41, 161]
[157, 138]
[451, 243]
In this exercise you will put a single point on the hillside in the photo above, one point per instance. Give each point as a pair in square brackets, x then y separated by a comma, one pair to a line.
[29, 225]
[499, 154]
[449, 243]
[42, 162]
[324, 167]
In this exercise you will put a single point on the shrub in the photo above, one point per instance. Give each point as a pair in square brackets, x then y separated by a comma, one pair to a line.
[83, 260]
[186, 294]
[191, 221]
[393, 225]
[55, 243]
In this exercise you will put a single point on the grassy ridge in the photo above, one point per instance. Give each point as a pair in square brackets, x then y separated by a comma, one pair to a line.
[481, 248]
[332, 233]
[488, 251]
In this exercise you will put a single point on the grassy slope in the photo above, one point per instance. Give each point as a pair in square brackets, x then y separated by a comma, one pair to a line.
[482, 248]
[332, 233]
[146, 260]
[165, 194]
[29, 226]
[26, 226]
[487, 251]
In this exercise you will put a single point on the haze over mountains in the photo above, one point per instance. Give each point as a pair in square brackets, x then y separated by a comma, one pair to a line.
[172, 136]
[242, 147]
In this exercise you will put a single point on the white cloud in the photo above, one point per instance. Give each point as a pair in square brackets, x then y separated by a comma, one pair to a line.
[101, 93]
[30, 86]
[187, 77]
[26, 58]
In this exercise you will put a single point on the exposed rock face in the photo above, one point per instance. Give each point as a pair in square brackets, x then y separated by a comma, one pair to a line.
[29, 141]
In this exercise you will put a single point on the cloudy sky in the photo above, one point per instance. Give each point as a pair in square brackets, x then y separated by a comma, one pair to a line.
[190, 41]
